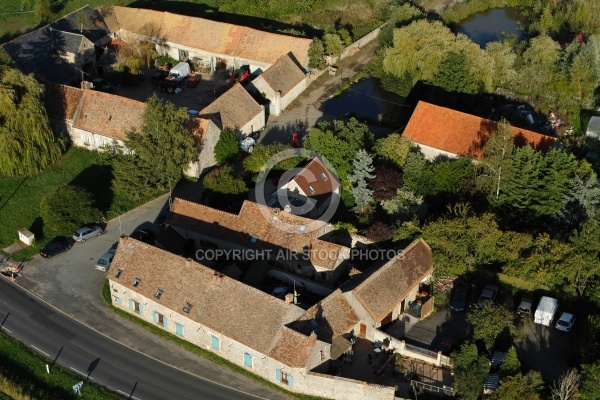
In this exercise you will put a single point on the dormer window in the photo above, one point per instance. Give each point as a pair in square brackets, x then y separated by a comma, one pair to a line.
[119, 273]
[187, 308]
[312, 189]
[158, 293]
[136, 282]
[323, 176]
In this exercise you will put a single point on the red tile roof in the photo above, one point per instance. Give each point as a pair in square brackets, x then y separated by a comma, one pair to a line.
[61, 100]
[462, 134]
[212, 36]
[312, 175]
[241, 312]
[387, 286]
[274, 230]
[108, 115]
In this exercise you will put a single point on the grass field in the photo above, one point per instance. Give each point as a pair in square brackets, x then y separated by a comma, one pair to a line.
[20, 197]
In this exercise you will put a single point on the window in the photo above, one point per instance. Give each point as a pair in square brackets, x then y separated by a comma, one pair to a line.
[87, 138]
[158, 293]
[254, 239]
[248, 360]
[284, 377]
[179, 329]
[214, 341]
[323, 176]
[187, 308]
[118, 300]
[119, 273]
[159, 319]
[312, 189]
[136, 282]
[136, 307]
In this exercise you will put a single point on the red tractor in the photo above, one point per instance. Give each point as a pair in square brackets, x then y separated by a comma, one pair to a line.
[241, 74]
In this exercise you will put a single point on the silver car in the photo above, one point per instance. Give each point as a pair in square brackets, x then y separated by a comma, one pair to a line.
[87, 232]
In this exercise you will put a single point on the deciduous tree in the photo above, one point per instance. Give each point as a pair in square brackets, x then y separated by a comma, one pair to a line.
[387, 180]
[156, 154]
[227, 148]
[566, 387]
[405, 205]
[490, 321]
[498, 151]
[316, 54]
[27, 143]
[66, 208]
[520, 387]
[469, 370]
[393, 149]
[590, 381]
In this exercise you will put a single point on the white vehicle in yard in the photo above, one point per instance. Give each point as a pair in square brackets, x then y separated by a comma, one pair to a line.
[565, 322]
[544, 313]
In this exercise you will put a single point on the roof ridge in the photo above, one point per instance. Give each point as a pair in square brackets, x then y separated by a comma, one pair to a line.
[181, 200]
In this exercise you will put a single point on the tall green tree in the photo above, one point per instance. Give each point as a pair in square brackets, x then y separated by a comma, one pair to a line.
[262, 153]
[156, 154]
[498, 151]
[316, 54]
[333, 44]
[581, 266]
[363, 196]
[469, 370]
[227, 148]
[27, 143]
[490, 321]
[66, 208]
[590, 381]
[520, 387]
[393, 149]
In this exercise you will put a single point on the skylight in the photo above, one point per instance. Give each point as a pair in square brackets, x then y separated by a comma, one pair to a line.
[254, 239]
[302, 228]
[312, 189]
[158, 293]
[323, 176]
[136, 282]
[119, 273]
[187, 308]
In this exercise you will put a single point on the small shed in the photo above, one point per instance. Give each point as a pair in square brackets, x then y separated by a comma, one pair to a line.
[26, 236]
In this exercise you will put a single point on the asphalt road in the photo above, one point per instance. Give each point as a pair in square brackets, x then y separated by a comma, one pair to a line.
[71, 284]
[95, 356]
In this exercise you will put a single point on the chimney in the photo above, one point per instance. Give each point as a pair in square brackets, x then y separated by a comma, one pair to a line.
[312, 339]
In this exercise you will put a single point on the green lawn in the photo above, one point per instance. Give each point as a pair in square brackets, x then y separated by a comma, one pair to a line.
[20, 197]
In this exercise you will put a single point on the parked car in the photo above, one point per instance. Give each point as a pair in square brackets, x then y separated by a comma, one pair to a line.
[193, 81]
[459, 298]
[87, 232]
[525, 308]
[56, 247]
[104, 262]
[488, 294]
[446, 346]
[565, 322]
[143, 235]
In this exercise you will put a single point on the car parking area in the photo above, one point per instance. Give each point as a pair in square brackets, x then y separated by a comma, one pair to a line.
[209, 87]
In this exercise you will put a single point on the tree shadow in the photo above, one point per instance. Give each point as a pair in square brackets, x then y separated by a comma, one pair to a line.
[97, 180]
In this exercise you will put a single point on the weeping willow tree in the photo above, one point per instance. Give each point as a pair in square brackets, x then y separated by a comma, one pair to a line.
[27, 143]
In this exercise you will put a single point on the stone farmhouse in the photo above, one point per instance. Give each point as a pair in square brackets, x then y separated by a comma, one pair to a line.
[70, 51]
[274, 338]
[292, 242]
[281, 83]
[440, 131]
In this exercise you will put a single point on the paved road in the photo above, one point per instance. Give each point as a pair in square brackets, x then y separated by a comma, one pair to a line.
[96, 357]
[70, 283]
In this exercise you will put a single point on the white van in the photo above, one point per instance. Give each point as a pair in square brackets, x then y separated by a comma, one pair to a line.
[103, 262]
[182, 70]
[544, 313]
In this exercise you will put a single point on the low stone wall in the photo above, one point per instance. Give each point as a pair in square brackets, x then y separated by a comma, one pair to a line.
[348, 51]
[425, 355]
[335, 387]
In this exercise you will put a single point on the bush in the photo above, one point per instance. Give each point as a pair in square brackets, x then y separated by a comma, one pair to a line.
[66, 208]
[227, 148]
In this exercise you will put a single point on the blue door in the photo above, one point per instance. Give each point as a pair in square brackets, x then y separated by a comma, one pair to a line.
[248, 360]
[179, 329]
[214, 341]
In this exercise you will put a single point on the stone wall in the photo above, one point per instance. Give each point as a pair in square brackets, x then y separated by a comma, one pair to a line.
[335, 387]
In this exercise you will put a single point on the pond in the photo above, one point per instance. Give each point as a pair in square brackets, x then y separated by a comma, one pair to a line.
[366, 100]
[491, 26]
